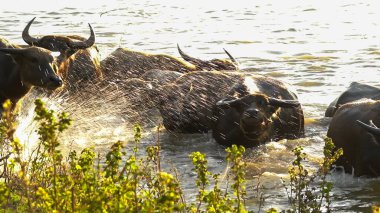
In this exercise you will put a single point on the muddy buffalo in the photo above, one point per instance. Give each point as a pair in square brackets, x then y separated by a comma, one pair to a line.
[23, 68]
[219, 101]
[354, 129]
[354, 92]
[79, 59]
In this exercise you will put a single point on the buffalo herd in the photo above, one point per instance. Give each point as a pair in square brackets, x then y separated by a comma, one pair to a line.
[194, 95]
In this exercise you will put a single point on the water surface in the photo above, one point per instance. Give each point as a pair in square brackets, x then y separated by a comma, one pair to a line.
[319, 47]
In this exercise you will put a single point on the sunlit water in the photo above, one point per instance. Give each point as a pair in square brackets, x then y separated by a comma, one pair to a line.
[317, 46]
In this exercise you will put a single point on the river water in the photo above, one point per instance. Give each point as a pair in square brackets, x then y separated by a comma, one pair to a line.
[319, 47]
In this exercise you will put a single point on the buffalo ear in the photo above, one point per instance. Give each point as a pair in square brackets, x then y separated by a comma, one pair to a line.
[283, 103]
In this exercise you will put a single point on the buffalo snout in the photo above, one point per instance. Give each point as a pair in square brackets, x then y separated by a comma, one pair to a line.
[54, 83]
[251, 113]
[253, 120]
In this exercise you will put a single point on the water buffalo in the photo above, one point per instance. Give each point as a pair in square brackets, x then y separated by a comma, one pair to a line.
[203, 100]
[125, 63]
[354, 92]
[359, 141]
[23, 68]
[256, 110]
[79, 59]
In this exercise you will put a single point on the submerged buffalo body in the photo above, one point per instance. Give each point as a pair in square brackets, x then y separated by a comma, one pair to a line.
[23, 68]
[79, 59]
[354, 92]
[204, 100]
[354, 128]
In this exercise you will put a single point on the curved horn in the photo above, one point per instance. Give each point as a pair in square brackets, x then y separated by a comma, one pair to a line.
[283, 103]
[26, 36]
[230, 56]
[84, 44]
[369, 128]
[189, 58]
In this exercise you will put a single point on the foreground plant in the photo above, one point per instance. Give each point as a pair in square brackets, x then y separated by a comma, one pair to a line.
[310, 192]
[47, 181]
[216, 199]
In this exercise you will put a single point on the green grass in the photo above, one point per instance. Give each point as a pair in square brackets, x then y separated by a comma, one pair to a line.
[129, 182]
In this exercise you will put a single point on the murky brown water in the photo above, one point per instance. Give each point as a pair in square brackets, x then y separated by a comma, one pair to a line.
[319, 47]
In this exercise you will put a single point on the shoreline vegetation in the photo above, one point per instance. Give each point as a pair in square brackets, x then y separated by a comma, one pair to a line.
[47, 181]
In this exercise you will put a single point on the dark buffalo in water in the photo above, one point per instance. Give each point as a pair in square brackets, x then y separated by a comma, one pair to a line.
[205, 100]
[354, 92]
[354, 129]
[256, 110]
[23, 68]
[125, 63]
[79, 59]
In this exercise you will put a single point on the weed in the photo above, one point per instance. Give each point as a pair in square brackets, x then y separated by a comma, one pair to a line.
[310, 192]
[49, 182]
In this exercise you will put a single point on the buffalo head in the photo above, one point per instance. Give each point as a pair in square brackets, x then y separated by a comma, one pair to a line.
[255, 113]
[214, 64]
[36, 67]
[66, 45]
